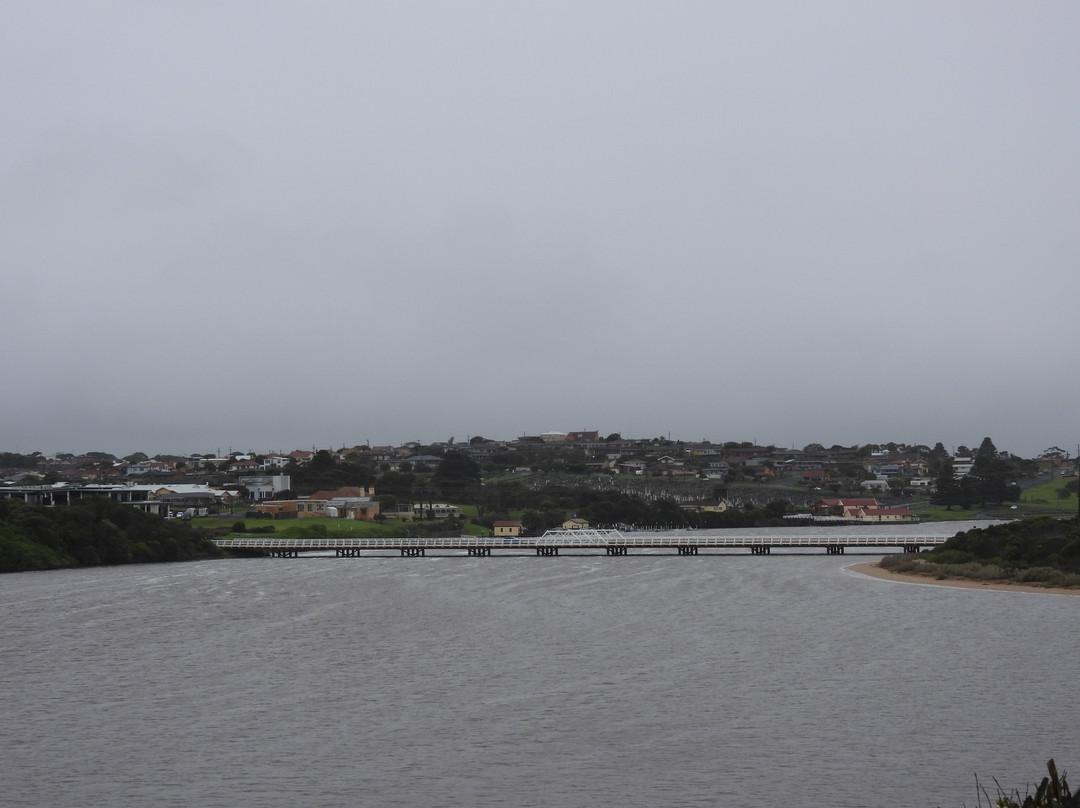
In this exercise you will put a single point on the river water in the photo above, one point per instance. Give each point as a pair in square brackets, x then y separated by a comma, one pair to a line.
[581, 680]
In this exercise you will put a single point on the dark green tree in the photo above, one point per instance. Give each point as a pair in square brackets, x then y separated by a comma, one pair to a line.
[946, 486]
[995, 475]
[396, 484]
[534, 523]
[457, 474]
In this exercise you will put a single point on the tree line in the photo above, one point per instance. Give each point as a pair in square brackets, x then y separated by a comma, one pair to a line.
[992, 480]
[92, 532]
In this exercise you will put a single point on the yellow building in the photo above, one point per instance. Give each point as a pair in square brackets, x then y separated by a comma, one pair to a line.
[292, 508]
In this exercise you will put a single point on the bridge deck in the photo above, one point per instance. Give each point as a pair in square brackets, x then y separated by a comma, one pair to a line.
[608, 540]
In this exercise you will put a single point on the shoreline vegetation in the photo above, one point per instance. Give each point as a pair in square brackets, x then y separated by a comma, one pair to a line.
[94, 532]
[873, 569]
[1052, 792]
[1039, 554]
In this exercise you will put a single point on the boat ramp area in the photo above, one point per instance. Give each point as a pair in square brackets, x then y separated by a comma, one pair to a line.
[606, 542]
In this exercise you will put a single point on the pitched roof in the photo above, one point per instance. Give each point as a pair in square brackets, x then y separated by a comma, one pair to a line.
[347, 492]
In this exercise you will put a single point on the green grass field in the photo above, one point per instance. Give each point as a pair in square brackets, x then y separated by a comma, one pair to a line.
[1045, 498]
[1039, 500]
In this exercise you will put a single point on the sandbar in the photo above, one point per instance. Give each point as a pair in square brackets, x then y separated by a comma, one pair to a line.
[872, 569]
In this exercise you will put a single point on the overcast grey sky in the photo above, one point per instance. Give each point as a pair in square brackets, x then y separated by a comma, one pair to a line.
[270, 225]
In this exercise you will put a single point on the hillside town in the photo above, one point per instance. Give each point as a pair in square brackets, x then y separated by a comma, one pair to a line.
[869, 483]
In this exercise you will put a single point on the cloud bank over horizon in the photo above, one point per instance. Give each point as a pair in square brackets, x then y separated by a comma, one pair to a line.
[272, 227]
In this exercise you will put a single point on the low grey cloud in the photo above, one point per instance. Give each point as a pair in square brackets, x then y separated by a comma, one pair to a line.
[277, 225]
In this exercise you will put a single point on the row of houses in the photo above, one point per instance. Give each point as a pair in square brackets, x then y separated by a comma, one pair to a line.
[164, 500]
[351, 502]
[511, 528]
[612, 454]
[862, 510]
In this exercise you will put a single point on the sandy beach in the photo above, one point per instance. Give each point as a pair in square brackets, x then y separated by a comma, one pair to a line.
[872, 569]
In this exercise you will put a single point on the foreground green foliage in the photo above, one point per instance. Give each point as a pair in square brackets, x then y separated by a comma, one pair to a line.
[1052, 792]
[91, 533]
[1039, 550]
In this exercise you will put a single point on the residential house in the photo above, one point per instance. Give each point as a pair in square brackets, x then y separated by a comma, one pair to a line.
[882, 514]
[716, 470]
[507, 528]
[350, 502]
[245, 466]
[706, 506]
[292, 508]
[423, 461]
[862, 510]
[382, 454]
[841, 507]
[962, 466]
[266, 487]
[149, 467]
[434, 510]
[352, 491]
[582, 437]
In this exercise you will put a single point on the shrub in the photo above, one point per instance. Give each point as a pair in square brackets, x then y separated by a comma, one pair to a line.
[903, 563]
[947, 556]
[975, 571]
[1037, 575]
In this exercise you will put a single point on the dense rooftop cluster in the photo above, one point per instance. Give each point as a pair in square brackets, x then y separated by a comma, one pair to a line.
[871, 466]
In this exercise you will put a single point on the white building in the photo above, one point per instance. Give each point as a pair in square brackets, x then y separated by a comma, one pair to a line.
[267, 486]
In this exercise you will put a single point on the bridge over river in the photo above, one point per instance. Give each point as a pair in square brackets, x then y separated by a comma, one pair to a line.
[611, 542]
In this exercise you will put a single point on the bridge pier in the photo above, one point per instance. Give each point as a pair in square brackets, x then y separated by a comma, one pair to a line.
[479, 551]
[411, 552]
[547, 551]
[284, 553]
[760, 550]
[617, 551]
[911, 548]
[835, 549]
[688, 550]
[347, 552]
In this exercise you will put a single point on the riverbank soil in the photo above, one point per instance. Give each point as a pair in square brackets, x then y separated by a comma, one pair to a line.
[872, 569]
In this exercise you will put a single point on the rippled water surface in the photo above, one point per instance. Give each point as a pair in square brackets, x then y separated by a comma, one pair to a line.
[583, 680]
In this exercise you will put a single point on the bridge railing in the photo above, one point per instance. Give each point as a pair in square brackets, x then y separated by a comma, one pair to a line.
[584, 539]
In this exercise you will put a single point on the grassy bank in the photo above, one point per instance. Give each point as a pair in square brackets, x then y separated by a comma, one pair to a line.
[1044, 499]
